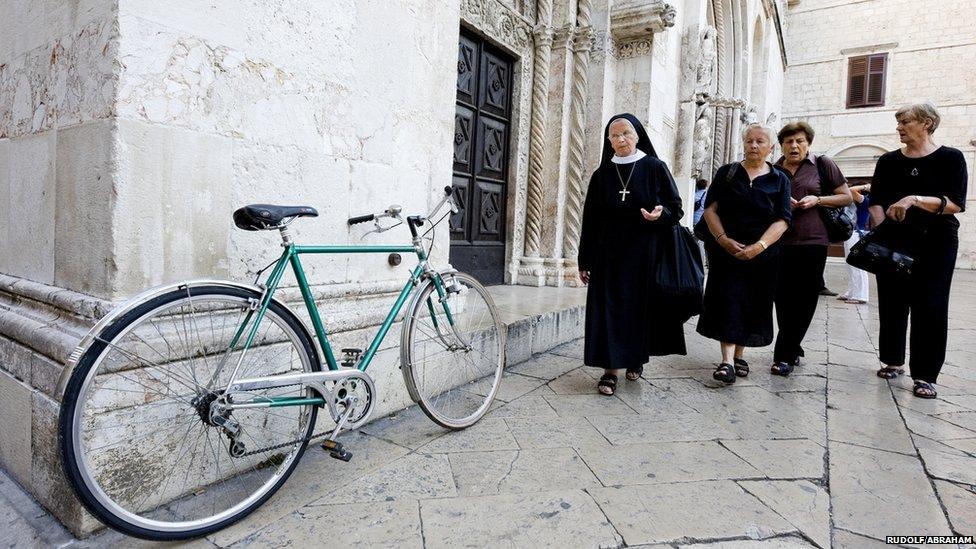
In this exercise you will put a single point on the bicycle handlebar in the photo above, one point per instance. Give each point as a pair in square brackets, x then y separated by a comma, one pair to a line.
[361, 219]
[394, 211]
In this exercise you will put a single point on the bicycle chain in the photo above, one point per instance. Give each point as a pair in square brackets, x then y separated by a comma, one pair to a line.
[283, 444]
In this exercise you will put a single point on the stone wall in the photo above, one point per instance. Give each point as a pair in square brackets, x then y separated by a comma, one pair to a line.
[931, 48]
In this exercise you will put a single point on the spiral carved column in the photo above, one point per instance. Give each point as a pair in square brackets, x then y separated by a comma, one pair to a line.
[537, 146]
[573, 216]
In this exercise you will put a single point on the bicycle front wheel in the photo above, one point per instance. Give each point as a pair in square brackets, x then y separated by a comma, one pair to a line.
[140, 441]
[453, 350]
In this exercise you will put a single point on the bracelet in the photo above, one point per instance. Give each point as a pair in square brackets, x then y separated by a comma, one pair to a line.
[918, 200]
[818, 203]
[761, 243]
[943, 202]
[719, 237]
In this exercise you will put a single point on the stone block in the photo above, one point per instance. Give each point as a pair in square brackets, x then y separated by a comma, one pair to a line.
[781, 459]
[31, 208]
[170, 210]
[85, 187]
[48, 483]
[15, 429]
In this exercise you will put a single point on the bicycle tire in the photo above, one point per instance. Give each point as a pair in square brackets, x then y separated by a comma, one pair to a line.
[82, 478]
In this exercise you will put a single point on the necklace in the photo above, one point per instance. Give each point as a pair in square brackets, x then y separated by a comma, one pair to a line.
[624, 192]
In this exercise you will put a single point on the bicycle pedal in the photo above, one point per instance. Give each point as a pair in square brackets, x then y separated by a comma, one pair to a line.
[350, 357]
[336, 450]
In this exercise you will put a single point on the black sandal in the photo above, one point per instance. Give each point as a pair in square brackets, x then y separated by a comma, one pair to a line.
[635, 374]
[741, 367]
[724, 373]
[890, 372]
[924, 389]
[781, 369]
[610, 382]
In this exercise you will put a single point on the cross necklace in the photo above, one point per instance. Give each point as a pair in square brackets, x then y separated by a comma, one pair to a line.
[624, 192]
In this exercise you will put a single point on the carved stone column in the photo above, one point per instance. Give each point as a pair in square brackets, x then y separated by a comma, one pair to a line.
[573, 214]
[537, 152]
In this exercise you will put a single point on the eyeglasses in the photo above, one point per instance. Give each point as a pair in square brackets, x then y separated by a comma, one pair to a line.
[616, 136]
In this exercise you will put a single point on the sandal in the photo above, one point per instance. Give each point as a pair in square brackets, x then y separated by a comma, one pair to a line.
[635, 374]
[741, 367]
[607, 384]
[781, 369]
[890, 372]
[924, 389]
[724, 373]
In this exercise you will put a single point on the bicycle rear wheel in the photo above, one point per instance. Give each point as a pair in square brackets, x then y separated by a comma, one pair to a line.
[453, 351]
[138, 440]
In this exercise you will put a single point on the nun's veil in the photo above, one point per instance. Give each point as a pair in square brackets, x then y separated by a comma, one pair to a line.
[643, 141]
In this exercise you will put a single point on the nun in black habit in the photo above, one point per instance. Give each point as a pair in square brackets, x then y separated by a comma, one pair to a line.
[631, 207]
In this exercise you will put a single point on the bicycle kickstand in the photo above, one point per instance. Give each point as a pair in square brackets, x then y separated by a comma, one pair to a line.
[333, 446]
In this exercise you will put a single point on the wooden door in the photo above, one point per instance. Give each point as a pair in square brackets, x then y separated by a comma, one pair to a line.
[481, 135]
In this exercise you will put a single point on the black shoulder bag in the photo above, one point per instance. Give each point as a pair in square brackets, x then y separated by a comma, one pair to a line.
[839, 222]
[701, 228]
[890, 248]
[679, 274]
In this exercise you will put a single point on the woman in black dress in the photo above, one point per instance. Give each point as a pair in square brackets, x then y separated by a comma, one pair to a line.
[920, 187]
[747, 210]
[631, 202]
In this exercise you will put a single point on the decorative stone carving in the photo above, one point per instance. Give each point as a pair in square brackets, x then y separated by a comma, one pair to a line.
[701, 146]
[537, 153]
[500, 21]
[603, 44]
[705, 70]
[573, 215]
[638, 19]
[635, 48]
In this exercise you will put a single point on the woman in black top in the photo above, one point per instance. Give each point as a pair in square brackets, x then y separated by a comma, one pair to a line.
[747, 210]
[920, 186]
[631, 203]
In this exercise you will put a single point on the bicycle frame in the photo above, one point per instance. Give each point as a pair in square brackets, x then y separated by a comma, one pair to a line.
[291, 257]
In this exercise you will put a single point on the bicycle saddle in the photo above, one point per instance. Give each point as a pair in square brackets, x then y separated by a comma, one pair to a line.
[258, 217]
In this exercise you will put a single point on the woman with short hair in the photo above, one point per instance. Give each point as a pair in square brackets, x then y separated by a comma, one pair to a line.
[816, 182]
[920, 187]
[747, 210]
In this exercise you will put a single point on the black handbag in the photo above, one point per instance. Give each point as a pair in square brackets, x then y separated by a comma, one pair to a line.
[839, 222]
[890, 248]
[679, 273]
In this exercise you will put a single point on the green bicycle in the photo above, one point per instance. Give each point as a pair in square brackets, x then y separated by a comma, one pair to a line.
[189, 405]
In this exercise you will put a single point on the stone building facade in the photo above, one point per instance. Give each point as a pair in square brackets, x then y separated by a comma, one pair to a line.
[930, 47]
[130, 130]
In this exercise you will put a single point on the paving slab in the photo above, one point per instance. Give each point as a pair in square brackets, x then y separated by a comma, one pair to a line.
[933, 427]
[967, 445]
[881, 432]
[960, 504]
[865, 482]
[415, 476]
[686, 512]
[850, 540]
[316, 475]
[379, 524]
[966, 420]
[946, 466]
[487, 434]
[523, 471]
[781, 459]
[642, 429]
[530, 405]
[786, 542]
[513, 386]
[804, 504]
[589, 405]
[665, 462]
[567, 518]
[556, 432]
[547, 366]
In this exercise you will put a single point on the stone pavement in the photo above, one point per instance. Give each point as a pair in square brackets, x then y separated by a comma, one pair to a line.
[831, 456]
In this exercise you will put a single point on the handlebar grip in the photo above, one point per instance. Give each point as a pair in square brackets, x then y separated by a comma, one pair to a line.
[361, 219]
[447, 190]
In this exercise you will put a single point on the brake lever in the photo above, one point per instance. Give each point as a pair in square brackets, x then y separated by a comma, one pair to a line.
[379, 228]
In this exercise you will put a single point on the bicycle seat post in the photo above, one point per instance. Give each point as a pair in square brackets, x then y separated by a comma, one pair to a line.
[285, 236]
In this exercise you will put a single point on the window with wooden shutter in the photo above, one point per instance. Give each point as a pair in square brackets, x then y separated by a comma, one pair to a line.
[866, 80]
